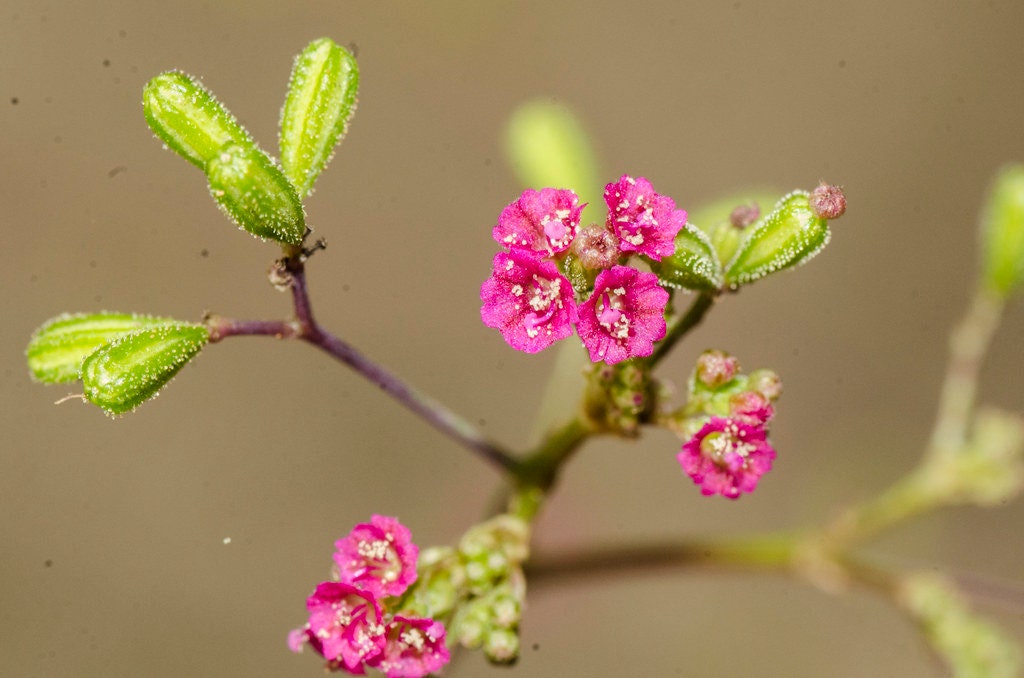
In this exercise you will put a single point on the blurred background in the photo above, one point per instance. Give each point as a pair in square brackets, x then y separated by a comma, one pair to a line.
[113, 558]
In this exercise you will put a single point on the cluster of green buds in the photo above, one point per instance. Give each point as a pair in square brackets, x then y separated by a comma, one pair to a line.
[619, 398]
[718, 388]
[125, 359]
[479, 586]
[745, 246]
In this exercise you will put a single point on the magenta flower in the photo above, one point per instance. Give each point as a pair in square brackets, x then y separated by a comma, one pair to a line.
[528, 301]
[624, 316]
[727, 456]
[378, 557]
[344, 626]
[415, 648]
[646, 222]
[542, 221]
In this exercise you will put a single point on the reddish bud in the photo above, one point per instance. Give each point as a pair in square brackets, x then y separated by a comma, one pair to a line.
[596, 247]
[828, 201]
[744, 215]
[716, 368]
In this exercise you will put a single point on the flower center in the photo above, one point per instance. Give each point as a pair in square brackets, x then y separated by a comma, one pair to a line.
[544, 301]
[611, 316]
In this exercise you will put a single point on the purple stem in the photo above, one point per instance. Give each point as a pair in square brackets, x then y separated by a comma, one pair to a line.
[306, 328]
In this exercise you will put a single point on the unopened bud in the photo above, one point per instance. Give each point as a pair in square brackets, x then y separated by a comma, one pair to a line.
[744, 215]
[694, 264]
[255, 194]
[131, 369]
[1002, 232]
[766, 382]
[828, 201]
[716, 368]
[596, 247]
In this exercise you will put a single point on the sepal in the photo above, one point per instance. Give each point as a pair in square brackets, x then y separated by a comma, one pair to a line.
[56, 350]
[255, 194]
[321, 100]
[790, 235]
[125, 372]
[694, 264]
[188, 118]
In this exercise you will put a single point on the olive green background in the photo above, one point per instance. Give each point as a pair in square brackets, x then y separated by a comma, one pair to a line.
[112, 553]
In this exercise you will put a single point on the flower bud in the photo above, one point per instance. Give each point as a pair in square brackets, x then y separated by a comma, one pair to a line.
[502, 646]
[744, 215]
[766, 382]
[828, 201]
[694, 265]
[57, 349]
[791, 234]
[596, 247]
[188, 118]
[1002, 232]
[715, 368]
[321, 100]
[255, 194]
[129, 370]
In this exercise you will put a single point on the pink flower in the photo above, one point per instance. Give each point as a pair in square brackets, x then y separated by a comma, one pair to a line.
[378, 557]
[528, 301]
[542, 221]
[344, 626]
[727, 456]
[624, 316]
[415, 648]
[646, 222]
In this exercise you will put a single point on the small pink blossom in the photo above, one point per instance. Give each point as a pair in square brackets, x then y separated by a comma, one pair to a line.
[528, 301]
[646, 222]
[544, 221]
[624, 316]
[415, 648]
[727, 456]
[378, 557]
[344, 626]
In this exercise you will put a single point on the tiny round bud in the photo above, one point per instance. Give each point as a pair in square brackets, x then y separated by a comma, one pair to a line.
[753, 406]
[766, 382]
[716, 368]
[828, 201]
[744, 215]
[596, 247]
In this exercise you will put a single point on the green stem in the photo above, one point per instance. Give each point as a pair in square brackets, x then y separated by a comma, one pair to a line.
[538, 471]
[679, 329]
[968, 345]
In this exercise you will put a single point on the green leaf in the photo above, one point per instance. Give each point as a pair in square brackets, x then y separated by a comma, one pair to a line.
[57, 349]
[1002, 231]
[188, 118]
[790, 235]
[255, 194]
[548, 147]
[129, 370]
[693, 266]
[321, 100]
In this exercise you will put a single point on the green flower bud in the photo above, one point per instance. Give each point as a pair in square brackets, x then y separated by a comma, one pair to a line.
[255, 194]
[790, 235]
[693, 266]
[187, 117]
[502, 646]
[57, 349]
[619, 398]
[439, 584]
[971, 646]
[129, 370]
[321, 100]
[1002, 232]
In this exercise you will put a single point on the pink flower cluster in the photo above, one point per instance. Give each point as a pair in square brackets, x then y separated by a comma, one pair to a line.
[728, 455]
[349, 622]
[531, 301]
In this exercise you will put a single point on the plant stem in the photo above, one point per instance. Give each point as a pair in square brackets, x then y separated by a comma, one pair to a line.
[694, 315]
[306, 328]
[968, 345]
